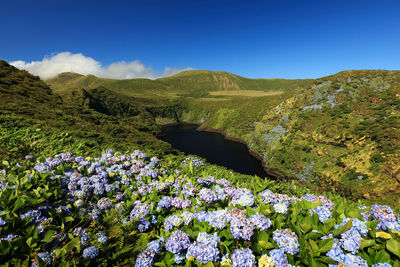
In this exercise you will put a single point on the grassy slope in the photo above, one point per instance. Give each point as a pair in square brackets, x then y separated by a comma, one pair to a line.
[27, 103]
[341, 133]
[191, 83]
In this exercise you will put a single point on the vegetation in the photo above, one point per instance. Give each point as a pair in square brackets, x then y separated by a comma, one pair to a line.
[66, 200]
[188, 83]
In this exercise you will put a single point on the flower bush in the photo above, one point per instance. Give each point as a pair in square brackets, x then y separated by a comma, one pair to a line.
[131, 209]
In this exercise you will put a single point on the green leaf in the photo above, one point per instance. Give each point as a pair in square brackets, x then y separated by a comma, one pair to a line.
[18, 204]
[393, 246]
[382, 256]
[68, 219]
[68, 247]
[29, 241]
[342, 229]
[314, 246]
[325, 245]
[353, 213]
[367, 243]
[48, 236]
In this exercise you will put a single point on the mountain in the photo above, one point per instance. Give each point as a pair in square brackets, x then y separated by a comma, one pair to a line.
[190, 83]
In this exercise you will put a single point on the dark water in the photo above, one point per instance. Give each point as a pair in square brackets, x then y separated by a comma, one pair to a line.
[214, 147]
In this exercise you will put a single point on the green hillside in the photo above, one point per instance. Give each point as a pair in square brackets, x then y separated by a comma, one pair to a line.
[341, 133]
[187, 83]
[98, 119]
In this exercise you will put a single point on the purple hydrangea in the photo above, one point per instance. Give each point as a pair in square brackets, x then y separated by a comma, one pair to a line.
[177, 242]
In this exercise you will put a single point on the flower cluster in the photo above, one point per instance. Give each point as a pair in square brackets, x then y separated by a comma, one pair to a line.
[287, 241]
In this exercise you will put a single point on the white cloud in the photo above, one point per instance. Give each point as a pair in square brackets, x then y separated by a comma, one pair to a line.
[52, 65]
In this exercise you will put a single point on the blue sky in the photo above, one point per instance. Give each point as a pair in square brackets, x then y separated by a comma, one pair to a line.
[257, 39]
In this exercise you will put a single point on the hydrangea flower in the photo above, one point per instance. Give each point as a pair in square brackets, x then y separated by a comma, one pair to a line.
[90, 252]
[243, 258]
[352, 260]
[280, 208]
[46, 257]
[102, 238]
[172, 221]
[260, 221]
[241, 227]
[217, 218]
[323, 212]
[351, 240]
[286, 240]
[336, 253]
[140, 210]
[187, 217]
[208, 195]
[177, 242]
[242, 197]
[204, 249]
[266, 261]
[143, 225]
[279, 257]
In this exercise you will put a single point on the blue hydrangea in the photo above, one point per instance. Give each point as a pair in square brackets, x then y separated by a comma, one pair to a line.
[143, 225]
[46, 257]
[140, 210]
[187, 217]
[165, 202]
[323, 212]
[208, 195]
[205, 248]
[352, 260]
[177, 242]
[351, 241]
[145, 258]
[179, 258]
[90, 252]
[217, 218]
[180, 203]
[85, 239]
[243, 258]
[172, 221]
[260, 221]
[279, 257]
[286, 240]
[102, 238]
[241, 227]
[243, 197]
[382, 264]
[280, 208]
[336, 253]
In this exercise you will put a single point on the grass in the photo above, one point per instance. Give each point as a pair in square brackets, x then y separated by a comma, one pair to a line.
[250, 93]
